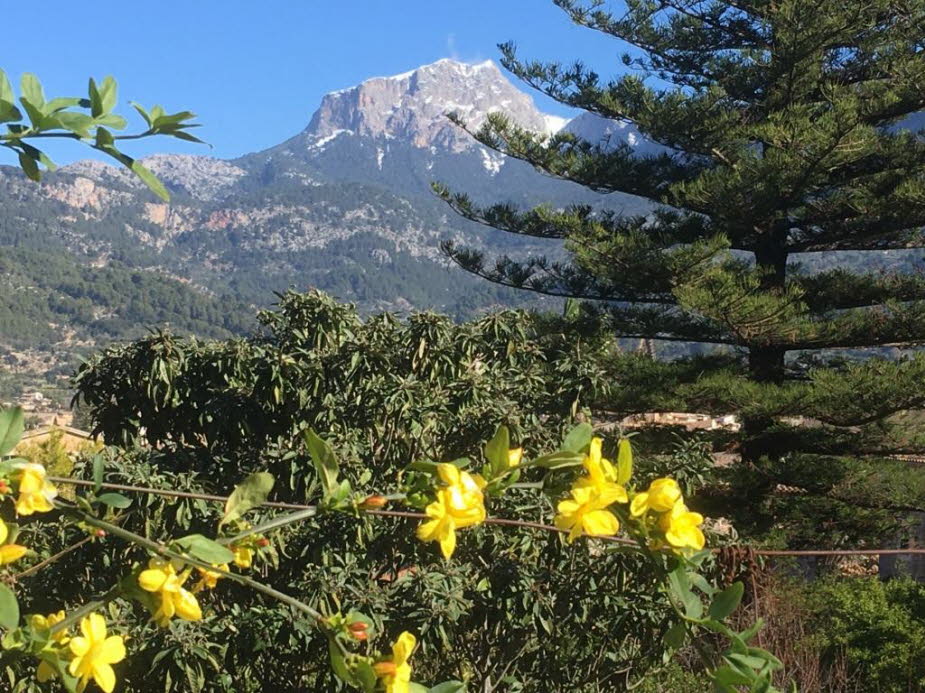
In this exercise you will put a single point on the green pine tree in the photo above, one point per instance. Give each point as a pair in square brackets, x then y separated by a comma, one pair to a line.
[780, 122]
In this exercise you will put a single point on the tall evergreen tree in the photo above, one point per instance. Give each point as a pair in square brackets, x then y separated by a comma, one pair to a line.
[786, 166]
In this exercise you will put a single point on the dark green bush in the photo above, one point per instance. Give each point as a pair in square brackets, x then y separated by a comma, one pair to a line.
[878, 626]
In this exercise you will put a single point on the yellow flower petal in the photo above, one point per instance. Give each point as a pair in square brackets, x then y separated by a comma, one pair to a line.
[448, 542]
[79, 647]
[152, 580]
[187, 606]
[640, 504]
[403, 647]
[112, 650]
[104, 676]
[4, 532]
[11, 552]
[449, 473]
[600, 523]
[93, 627]
[663, 494]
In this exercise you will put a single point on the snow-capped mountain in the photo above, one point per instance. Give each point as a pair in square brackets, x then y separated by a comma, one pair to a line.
[609, 134]
[345, 205]
[413, 106]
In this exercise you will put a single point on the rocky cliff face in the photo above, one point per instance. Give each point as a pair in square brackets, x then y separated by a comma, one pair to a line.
[412, 106]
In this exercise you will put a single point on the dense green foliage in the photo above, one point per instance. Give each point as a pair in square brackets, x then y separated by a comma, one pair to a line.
[101, 303]
[878, 627]
[784, 135]
[385, 391]
[521, 609]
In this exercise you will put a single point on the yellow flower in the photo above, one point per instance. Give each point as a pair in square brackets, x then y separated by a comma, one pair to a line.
[459, 504]
[35, 492]
[9, 552]
[464, 498]
[45, 671]
[586, 512]
[94, 653]
[172, 599]
[601, 474]
[208, 579]
[441, 526]
[514, 456]
[662, 496]
[682, 527]
[39, 622]
[395, 672]
[243, 556]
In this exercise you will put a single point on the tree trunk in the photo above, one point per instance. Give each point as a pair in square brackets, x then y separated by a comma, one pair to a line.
[766, 363]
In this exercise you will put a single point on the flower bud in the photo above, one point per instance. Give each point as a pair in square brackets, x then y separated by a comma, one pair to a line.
[384, 669]
[358, 630]
[100, 533]
[4, 486]
[263, 542]
[373, 502]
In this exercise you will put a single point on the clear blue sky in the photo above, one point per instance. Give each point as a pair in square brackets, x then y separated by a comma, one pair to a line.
[254, 72]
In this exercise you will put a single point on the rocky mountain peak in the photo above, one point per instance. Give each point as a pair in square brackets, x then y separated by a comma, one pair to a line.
[413, 105]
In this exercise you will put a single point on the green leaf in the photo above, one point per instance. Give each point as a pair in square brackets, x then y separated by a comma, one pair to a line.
[11, 428]
[366, 675]
[105, 139]
[108, 93]
[36, 117]
[112, 120]
[338, 664]
[8, 112]
[680, 587]
[174, 119]
[496, 451]
[61, 103]
[6, 89]
[205, 549]
[31, 90]
[773, 661]
[448, 687]
[558, 460]
[324, 461]
[114, 500]
[78, 123]
[417, 688]
[38, 155]
[9, 608]
[727, 676]
[746, 660]
[676, 635]
[97, 473]
[717, 627]
[250, 493]
[180, 135]
[624, 461]
[96, 103]
[726, 601]
[104, 142]
[142, 112]
[578, 438]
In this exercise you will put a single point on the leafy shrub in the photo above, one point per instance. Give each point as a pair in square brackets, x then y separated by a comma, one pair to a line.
[879, 626]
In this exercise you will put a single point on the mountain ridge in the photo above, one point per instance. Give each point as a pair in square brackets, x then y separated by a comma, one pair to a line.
[343, 205]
